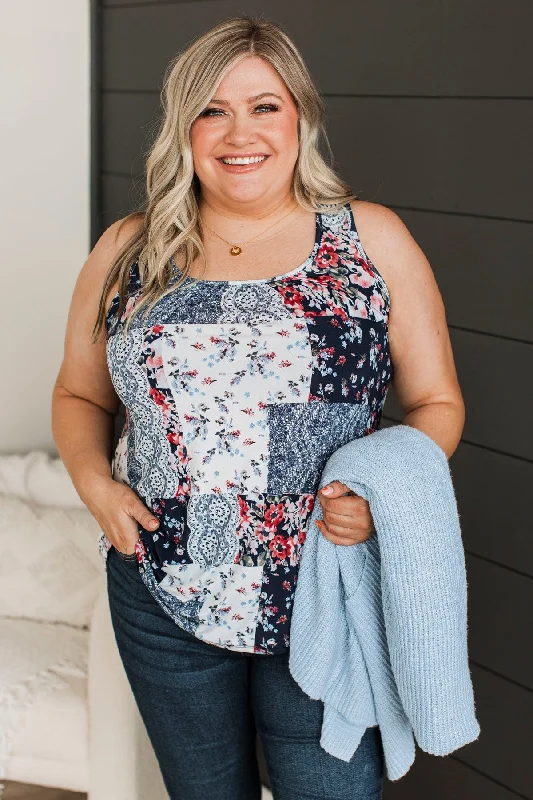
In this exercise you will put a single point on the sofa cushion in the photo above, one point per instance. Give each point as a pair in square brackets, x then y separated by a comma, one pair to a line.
[43, 702]
[50, 565]
[40, 477]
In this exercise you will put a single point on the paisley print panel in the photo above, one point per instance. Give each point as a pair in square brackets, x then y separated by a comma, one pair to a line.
[148, 462]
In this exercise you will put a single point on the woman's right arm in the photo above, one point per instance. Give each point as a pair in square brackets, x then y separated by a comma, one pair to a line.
[84, 404]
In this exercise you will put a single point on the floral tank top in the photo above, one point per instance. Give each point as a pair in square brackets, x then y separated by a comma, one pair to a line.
[236, 393]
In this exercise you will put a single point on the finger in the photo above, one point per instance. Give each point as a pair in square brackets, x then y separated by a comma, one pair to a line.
[347, 531]
[334, 488]
[135, 513]
[137, 509]
[124, 534]
[349, 528]
[345, 504]
[335, 537]
[356, 522]
[357, 518]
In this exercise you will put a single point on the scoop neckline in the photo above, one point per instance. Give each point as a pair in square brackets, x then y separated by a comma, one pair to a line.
[295, 271]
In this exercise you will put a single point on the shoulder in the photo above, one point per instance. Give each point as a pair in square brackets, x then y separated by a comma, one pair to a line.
[377, 224]
[117, 235]
[94, 273]
[388, 243]
[110, 243]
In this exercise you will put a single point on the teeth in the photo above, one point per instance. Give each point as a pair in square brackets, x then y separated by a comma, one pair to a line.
[253, 160]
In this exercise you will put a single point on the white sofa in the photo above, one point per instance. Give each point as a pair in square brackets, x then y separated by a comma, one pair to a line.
[68, 718]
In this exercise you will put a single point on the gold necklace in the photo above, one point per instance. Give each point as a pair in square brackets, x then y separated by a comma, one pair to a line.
[236, 249]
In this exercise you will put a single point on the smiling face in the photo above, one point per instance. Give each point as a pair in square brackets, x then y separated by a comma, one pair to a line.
[252, 115]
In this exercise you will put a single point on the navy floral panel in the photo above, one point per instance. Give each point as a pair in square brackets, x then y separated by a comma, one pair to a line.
[236, 393]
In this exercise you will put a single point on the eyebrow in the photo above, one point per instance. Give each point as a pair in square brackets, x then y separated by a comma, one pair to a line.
[250, 99]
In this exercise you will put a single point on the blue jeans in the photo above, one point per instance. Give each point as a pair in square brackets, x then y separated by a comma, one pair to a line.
[201, 705]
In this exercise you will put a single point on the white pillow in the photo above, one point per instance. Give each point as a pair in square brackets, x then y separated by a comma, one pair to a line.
[50, 565]
[40, 477]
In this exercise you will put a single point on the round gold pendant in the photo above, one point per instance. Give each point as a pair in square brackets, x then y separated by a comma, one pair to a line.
[235, 250]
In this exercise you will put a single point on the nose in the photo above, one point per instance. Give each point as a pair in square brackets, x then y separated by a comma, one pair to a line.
[241, 129]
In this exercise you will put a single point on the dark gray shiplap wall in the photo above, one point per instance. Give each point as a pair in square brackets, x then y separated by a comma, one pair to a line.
[430, 112]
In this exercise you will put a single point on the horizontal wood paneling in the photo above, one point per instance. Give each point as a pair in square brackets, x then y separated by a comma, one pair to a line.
[482, 267]
[143, 2]
[503, 749]
[118, 196]
[493, 495]
[416, 47]
[468, 156]
[130, 122]
[499, 613]
[432, 778]
[496, 379]
[387, 422]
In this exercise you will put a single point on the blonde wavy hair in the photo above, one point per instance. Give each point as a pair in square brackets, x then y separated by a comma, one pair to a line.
[171, 223]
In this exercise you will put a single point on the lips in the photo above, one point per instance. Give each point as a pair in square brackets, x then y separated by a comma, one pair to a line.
[261, 156]
[251, 166]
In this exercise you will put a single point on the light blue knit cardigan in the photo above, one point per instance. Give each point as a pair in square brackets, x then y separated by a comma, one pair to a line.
[379, 628]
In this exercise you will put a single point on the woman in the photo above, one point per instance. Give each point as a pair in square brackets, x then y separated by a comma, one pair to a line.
[249, 334]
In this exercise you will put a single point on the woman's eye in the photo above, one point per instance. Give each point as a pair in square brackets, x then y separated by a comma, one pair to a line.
[208, 112]
[214, 112]
[268, 106]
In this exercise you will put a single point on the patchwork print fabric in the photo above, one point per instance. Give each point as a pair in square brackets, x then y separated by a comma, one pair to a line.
[236, 393]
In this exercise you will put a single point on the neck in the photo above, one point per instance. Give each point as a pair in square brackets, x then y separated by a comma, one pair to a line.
[213, 208]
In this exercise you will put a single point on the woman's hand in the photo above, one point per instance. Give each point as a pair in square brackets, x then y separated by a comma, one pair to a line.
[118, 511]
[346, 516]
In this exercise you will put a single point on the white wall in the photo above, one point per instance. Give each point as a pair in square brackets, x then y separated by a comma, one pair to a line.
[44, 202]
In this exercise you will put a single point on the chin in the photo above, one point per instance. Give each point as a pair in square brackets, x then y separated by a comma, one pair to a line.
[243, 194]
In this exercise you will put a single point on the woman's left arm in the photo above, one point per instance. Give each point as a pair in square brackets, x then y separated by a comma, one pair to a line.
[425, 379]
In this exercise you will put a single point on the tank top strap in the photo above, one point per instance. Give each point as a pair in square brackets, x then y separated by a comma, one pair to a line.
[134, 278]
[342, 220]
[133, 287]
[358, 243]
[336, 220]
